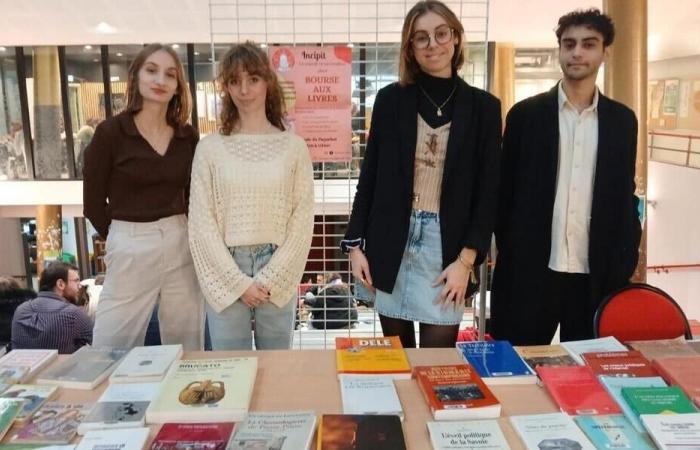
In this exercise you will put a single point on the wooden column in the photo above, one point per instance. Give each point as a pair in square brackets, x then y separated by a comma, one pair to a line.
[626, 82]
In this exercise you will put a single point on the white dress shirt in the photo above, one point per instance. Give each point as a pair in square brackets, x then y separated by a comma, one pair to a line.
[578, 148]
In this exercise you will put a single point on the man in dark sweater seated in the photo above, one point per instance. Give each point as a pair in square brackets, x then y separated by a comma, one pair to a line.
[52, 320]
[333, 306]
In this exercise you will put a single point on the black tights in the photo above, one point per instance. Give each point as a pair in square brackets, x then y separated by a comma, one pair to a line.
[431, 336]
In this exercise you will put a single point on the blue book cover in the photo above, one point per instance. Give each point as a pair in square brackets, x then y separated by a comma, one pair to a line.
[613, 432]
[614, 386]
[496, 362]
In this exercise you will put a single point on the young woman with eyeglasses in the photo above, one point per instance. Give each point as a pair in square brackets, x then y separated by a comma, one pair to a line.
[425, 204]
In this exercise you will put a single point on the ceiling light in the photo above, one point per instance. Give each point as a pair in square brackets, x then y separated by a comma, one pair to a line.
[105, 28]
[263, 45]
[2, 49]
[71, 78]
[175, 46]
[120, 54]
[95, 60]
[196, 53]
[88, 47]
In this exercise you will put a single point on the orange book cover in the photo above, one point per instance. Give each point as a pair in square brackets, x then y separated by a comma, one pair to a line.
[372, 356]
[456, 392]
[619, 364]
[683, 371]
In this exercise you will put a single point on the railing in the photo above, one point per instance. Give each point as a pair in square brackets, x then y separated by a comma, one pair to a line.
[674, 148]
[666, 268]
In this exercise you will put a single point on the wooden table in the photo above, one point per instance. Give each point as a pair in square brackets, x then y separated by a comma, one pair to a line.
[306, 380]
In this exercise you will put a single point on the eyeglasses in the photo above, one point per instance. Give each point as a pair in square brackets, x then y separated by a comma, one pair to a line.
[441, 35]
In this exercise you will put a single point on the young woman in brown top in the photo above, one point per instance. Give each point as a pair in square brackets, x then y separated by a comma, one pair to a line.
[135, 193]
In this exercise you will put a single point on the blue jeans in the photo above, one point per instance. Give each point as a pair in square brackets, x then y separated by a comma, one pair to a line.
[234, 327]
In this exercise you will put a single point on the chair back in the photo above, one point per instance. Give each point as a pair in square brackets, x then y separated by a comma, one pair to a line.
[640, 312]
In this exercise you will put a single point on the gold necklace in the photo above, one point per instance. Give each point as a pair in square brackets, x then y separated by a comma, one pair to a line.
[439, 108]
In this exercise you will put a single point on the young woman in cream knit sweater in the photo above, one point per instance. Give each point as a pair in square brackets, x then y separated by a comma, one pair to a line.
[251, 209]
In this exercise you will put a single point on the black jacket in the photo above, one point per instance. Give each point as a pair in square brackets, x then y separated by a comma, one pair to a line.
[9, 301]
[382, 207]
[527, 192]
[332, 307]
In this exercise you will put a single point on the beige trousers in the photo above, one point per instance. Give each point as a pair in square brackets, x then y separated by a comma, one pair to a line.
[147, 263]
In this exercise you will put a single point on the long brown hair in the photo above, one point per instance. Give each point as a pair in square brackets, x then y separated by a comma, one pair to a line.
[252, 59]
[179, 106]
[408, 66]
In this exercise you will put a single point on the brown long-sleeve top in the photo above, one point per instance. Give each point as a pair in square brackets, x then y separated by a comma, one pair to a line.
[124, 178]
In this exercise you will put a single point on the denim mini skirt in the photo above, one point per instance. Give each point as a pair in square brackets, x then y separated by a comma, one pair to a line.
[413, 297]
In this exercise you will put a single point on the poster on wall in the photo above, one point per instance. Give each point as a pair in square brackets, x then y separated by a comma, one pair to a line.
[670, 103]
[684, 99]
[316, 87]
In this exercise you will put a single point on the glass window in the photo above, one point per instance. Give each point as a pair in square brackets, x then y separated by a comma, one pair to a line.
[120, 58]
[205, 96]
[13, 162]
[85, 97]
[46, 112]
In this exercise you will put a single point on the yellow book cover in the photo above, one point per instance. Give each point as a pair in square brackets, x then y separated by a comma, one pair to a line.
[205, 390]
[372, 356]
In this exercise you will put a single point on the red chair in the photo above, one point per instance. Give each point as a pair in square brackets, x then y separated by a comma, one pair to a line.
[640, 312]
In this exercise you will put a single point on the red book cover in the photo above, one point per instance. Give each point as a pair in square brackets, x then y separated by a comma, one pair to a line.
[456, 392]
[683, 371]
[619, 364]
[212, 436]
[577, 391]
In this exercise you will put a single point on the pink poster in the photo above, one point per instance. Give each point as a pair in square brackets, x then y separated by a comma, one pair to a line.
[316, 85]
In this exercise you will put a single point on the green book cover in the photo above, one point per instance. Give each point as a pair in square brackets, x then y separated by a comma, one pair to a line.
[8, 411]
[657, 400]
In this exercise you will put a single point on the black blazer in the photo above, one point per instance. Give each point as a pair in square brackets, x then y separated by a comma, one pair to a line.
[382, 207]
[527, 191]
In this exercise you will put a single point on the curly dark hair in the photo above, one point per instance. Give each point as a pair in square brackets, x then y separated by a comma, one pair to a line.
[589, 18]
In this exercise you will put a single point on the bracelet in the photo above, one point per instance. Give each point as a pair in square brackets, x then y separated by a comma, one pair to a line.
[459, 257]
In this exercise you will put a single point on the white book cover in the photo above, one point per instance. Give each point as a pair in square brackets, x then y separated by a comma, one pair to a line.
[13, 374]
[599, 345]
[362, 394]
[205, 390]
[84, 369]
[35, 359]
[122, 405]
[134, 439]
[545, 431]
[674, 431]
[146, 363]
[467, 435]
[33, 395]
[285, 430]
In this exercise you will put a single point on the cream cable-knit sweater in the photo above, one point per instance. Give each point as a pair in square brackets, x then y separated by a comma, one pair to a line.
[247, 190]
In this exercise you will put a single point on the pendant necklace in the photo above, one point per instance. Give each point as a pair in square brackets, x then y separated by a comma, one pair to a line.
[439, 108]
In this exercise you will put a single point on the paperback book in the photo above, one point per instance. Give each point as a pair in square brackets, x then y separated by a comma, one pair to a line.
[545, 355]
[372, 356]
[284, 430]
[146, 364]
[135, 439]
[33, 397]
[456, 392]
[467, 435]
[614, 387]
[496, 362]
[598, 345]
[54, 423]
[613, 432]
[121, 405]
[362, 394]
[622, 364]
[9, 409]
[35, 359]
[358, 432]
[657, 400]
[13, 374]
[194, 436]
[205, 390]
[577, 391]
[550, 431]
[663, 348]
[84, 369]
[674, 432]
[682, 371]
